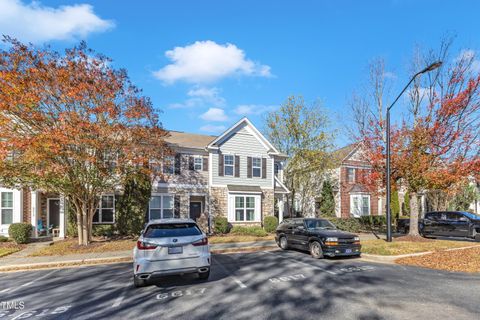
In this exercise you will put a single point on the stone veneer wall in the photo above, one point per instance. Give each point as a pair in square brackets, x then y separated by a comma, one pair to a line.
[219, 203]
[268, 203]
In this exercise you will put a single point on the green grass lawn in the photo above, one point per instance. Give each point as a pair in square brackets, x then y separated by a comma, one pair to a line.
[383, 248]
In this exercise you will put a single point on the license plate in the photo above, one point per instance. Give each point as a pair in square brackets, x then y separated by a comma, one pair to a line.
[175, 250]
[348, 250]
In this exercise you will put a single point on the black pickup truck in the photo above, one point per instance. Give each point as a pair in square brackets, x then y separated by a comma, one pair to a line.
[446, 224]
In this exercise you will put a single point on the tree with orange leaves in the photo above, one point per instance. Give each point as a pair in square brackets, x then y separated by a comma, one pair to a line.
[437, 145]
[71, 124]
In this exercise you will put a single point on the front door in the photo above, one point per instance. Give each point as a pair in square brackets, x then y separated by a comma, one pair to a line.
[54, 212]
[195, 210]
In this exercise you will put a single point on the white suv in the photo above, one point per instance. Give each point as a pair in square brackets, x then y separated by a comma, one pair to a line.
[168, 247]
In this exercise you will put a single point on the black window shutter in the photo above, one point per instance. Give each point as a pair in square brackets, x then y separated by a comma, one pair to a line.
[220, 164]
[237, 166]
[205, 163]
[176, 210]
[264, 168]
[190, 163]
[178, 163]
[249, 167]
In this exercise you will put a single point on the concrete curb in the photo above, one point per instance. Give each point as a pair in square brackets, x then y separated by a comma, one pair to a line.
[110, 260]
[392, 259]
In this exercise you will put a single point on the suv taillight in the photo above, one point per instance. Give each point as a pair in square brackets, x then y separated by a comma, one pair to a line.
[145, 246]
[201, 242]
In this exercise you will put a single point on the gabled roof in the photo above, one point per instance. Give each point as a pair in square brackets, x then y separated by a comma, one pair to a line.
[229, 132]
[341, 154]
[188, 140]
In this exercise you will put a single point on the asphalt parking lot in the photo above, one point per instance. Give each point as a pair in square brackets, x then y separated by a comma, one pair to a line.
[260, 285]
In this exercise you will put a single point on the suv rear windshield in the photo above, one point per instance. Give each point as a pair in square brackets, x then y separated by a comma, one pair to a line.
[172, 230]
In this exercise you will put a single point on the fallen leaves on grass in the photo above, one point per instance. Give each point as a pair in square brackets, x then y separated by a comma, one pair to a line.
[229, 238]
[398, 247]
[462, 260]
[7, 248]
[71, 246]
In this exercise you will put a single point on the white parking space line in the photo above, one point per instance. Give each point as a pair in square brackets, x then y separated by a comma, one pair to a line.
[235, 279]
[33, 281]
[304, 263]
[120, 298]
[5, 290]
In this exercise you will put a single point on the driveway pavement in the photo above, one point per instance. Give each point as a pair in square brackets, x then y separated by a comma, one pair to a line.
[260, 285]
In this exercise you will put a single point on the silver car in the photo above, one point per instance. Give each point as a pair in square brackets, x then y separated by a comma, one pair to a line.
[170, 247]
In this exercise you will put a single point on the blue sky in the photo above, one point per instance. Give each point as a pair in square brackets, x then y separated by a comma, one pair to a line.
[253, 54]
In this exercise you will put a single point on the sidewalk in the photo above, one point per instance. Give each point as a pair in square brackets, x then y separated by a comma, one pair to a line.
[20, 260]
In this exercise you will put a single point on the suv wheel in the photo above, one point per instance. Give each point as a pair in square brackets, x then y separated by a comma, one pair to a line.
[316, 250]
[476, 235]
[283, 243]
[204, 275]
[137, 282]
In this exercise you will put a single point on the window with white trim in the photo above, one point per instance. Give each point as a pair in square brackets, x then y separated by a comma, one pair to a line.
[228, 164]
[106, 210]
[6, 208]
[198, 163]
[169, 165]
[359, 205]
[161, 207]
[351, 175]
[244, 208]
[256, 167]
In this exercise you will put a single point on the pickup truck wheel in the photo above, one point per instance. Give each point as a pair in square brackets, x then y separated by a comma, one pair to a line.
[316, 250]
[283, 243]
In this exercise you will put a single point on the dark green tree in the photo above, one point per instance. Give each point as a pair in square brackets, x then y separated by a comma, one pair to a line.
[132, 206]
[395, 205]
[464, 198]
[327, 200]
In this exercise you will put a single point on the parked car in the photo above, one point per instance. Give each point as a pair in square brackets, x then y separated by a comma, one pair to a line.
[318, 236]
[446, 224]
[170, 247]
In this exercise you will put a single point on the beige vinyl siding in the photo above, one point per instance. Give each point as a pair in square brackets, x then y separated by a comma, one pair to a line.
[243, 144]
[188, 176]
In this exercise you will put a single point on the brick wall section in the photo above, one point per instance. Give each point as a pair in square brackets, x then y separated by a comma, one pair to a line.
[27, 205]
[345, 187]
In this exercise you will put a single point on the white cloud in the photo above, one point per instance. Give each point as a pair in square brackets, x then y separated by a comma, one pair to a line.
[469, 54]
[214, 114]
[38, 23]
[253, 109]
[389, 75]
[200, 97]
[212, 128]
[206, 62]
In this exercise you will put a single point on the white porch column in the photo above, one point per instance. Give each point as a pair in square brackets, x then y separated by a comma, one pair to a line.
[34, 211]
[281, 207]
[63, 224]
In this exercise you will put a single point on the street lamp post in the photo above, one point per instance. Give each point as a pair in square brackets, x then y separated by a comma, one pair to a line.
[431, 67]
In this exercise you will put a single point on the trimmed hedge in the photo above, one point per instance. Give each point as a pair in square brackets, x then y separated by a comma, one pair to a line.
[249, 231]
[103, 230]
[374, 221]
[270, 224]
[4, 239]
[221, 225]
[20, 232]
[349, 224]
